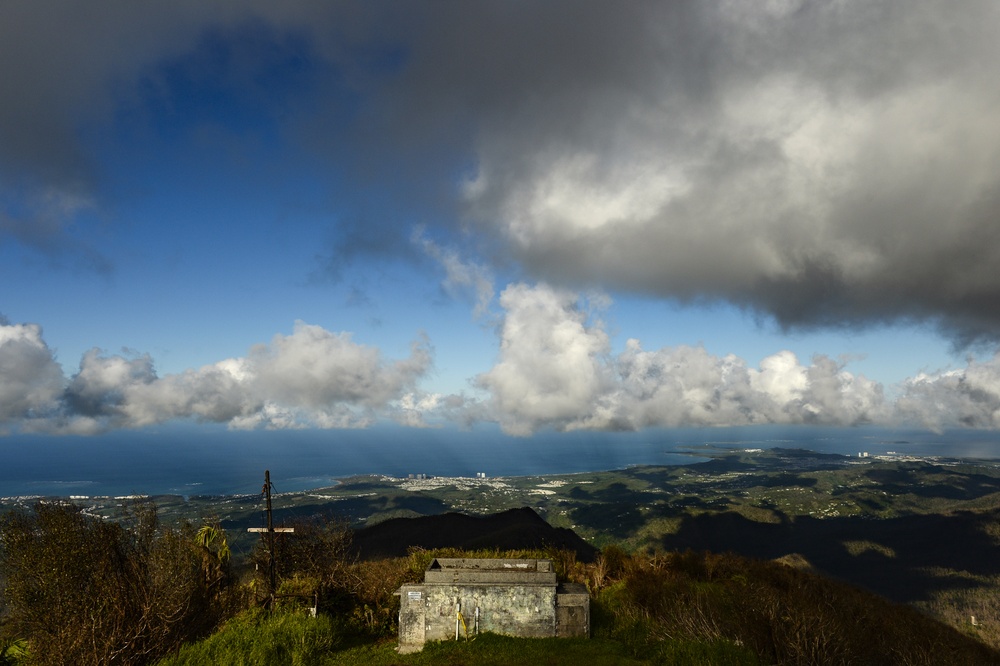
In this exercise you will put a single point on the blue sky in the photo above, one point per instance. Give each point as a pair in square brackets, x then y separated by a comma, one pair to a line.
[546, 216]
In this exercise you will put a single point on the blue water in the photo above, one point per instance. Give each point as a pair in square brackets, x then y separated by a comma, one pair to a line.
[190, 460]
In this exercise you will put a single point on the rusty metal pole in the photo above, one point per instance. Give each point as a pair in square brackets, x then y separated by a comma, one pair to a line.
[271, 573]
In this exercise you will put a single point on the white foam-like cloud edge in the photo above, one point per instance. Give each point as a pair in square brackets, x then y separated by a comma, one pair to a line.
[555, 370]
[312, 378]
[969, 397]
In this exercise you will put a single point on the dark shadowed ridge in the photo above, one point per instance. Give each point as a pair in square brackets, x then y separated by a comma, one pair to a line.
[515, 529]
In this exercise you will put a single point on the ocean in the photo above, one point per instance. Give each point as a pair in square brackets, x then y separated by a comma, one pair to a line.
[209, 460]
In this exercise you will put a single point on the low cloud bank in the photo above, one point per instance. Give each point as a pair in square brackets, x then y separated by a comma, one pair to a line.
[968, 398]
[311, 378]
[555, 371]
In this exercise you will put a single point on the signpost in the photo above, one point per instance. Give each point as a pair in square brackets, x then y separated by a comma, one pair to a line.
[270, 530]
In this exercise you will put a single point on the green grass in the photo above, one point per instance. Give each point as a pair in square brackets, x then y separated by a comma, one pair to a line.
[494, 650]
[256, 638]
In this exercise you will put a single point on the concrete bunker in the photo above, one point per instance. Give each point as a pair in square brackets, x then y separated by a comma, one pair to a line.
[515, 597]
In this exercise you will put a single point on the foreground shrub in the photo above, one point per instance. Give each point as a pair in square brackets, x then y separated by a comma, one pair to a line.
[783, 615]
[13, 651]
[83, 590]
[315, 564]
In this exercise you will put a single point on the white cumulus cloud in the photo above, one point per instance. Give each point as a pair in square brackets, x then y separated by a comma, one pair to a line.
[556, 370]
[968, 397]
[552, 365]
[311, 378]
[30, 379]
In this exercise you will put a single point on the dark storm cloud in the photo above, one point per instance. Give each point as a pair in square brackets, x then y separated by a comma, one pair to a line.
[829, 164]
[823, 163]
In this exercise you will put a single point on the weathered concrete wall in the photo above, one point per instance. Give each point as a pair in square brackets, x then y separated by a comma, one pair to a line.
[514, 597]
[572, 611]
[463, 571]
[515, 610]
[490, 564]
[486, 577]
[411, 618]
[429, 612]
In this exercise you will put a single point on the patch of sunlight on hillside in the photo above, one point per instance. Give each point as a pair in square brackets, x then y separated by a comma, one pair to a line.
[857, 548]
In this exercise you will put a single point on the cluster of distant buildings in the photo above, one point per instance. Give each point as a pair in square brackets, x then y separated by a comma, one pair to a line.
[421, 477]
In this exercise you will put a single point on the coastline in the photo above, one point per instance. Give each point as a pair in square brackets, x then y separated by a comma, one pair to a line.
[175, 463]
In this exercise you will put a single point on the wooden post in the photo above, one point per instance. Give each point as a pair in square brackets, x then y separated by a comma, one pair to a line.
[271, 573]
[272, 582]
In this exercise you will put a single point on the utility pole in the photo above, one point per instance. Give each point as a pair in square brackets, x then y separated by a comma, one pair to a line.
[270, 531]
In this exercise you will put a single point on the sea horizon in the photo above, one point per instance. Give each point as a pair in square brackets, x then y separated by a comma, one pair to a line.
[191, 460]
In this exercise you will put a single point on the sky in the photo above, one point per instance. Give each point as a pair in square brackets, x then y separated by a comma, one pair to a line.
[546, 216]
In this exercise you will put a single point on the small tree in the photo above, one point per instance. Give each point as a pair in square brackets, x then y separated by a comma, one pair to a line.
[214, 544]
[88, 591]
[315, 556]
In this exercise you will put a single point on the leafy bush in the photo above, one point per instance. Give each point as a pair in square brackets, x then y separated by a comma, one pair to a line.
[13, 651]
[308, 562]
[87, 591]
[780, 614]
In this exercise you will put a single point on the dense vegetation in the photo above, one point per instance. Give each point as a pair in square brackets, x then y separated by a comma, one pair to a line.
[80, 590]
[83, 590]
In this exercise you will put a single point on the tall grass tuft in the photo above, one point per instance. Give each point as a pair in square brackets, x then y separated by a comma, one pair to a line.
[258, 637]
